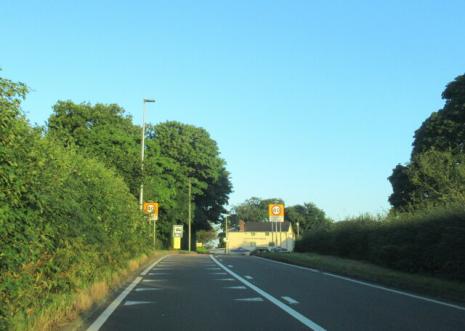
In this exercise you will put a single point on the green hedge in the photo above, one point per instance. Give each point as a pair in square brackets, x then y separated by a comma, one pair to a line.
[429, 243]
[64, 220]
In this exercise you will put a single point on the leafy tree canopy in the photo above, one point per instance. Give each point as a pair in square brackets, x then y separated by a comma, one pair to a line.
[434, 174]
[197, 158]
[103, 132]
[308, 215]
[253, 210]
[445, 129]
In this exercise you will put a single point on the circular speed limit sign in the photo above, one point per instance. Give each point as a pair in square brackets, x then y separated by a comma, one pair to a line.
[276, 210]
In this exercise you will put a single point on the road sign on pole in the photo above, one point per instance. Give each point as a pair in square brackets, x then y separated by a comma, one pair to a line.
[177, 235]
[276, 212]
[151, 209]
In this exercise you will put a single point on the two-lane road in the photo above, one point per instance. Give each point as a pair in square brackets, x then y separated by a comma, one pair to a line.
[183, 292]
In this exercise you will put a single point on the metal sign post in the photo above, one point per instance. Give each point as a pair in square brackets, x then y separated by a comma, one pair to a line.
[151, 209]
[275, 215]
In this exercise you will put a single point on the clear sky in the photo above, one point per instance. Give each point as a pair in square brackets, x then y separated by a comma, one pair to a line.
[308, 100]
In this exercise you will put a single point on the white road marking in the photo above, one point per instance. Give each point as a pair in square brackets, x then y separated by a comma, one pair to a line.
[298, 316]
[248, 277]
[133, 303]
[290, 300]
[236, 288]
[226, 279]
[142, 289]
[154, 280]
[146, 271]
[215, 268]
[369, 284]
[111, 308]
[258, 299]
[159, 273]
[218, 273]
[230, 266]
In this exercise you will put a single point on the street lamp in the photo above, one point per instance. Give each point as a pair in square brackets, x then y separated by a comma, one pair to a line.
[141, 193]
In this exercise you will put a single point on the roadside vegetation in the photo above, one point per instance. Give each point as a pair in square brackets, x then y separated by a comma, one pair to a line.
[420, 284]
[70, 225]
[424, 233]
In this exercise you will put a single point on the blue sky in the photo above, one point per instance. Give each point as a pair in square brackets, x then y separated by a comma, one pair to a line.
[308, 100]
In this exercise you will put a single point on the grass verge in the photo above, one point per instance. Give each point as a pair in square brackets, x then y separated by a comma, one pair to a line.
[64, 308]
[420, 284]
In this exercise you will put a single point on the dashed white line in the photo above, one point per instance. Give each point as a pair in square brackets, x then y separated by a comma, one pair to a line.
[226, 279]
[236, 287]
[298, 316]
[133, 303]
[290, 300]
[143, 289]
[258, 299]
[248, 277]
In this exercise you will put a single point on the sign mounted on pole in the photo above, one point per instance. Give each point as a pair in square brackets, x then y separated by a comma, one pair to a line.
[151, 209]
[177, 231]
[276, 212]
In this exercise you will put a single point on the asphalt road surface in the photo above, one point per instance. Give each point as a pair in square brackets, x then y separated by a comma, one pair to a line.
[188, 292]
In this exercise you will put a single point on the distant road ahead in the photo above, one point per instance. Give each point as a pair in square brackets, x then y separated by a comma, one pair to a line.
[248, 293]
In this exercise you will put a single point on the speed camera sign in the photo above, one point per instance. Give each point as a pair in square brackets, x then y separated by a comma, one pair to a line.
[151, 209]
[276, 212]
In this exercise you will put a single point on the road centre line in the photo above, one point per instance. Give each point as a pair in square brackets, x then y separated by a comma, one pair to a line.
[298, 316]
[97, 324]
[439, 302]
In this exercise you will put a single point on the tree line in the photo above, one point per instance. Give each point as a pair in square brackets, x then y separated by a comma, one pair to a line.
[255, 209]
[69, 213]
[424, 231]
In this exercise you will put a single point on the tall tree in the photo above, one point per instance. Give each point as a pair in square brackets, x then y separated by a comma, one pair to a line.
[437, 148]
[308, 215]
[445, 129]
[254, 209]
[197, 158]
[101, 131]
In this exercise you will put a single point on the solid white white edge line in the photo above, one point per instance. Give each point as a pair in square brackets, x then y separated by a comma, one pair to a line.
[97, 324]
[411, 295]
[298, 316]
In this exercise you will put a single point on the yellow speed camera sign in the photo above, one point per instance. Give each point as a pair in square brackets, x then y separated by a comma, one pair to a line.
[151, 209]
[276, 212]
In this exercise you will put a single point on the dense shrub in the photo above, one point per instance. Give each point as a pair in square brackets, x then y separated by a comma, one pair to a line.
[432, 242]
[65, 220]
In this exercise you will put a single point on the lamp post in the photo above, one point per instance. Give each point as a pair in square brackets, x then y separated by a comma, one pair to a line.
[189, 213]
[298, 230]
[141, 193]
[226, 235]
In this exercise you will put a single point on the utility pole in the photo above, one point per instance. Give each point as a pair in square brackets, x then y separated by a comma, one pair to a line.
[189, 211]
[226, 235]
[142, 145]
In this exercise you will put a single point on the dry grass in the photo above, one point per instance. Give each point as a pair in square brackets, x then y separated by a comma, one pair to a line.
[67, 307]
